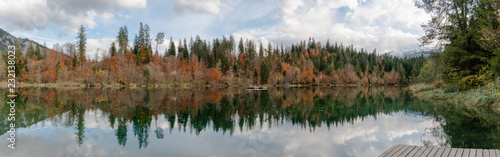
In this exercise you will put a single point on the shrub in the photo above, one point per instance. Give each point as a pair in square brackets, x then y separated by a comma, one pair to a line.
[438, 84]
[472, 81]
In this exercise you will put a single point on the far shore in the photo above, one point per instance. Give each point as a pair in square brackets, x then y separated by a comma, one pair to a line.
[4, 84]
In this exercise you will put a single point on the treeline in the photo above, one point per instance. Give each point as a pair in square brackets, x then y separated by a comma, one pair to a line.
[469, 33]
[227, 61]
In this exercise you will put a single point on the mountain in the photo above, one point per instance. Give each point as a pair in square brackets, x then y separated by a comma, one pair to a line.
[410, 51]
[7, 39]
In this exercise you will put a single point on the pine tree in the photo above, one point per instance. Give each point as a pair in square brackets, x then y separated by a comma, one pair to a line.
[261, 50]
[30, 51]
[112, 49]
[241, 48]
[264, 72]
[122, 39]
[171, 50]
[82, 43]
[38, 52]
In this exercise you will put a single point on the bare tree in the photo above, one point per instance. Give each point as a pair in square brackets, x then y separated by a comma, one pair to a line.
[160, 38]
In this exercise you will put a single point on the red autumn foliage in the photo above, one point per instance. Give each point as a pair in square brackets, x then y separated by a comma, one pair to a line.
[213, 75]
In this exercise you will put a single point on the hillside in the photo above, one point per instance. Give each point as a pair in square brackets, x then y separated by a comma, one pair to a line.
[7, 39]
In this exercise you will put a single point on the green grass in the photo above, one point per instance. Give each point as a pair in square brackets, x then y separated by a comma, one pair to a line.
[484, 97]
[482, 103]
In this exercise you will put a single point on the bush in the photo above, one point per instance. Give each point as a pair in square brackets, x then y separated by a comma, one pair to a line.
[472, 81]
[438, 84]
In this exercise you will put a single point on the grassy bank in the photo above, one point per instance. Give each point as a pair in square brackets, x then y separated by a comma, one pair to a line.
[482, 103]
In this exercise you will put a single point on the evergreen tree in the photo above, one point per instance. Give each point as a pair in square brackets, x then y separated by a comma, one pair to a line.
[264, 72]
[261, 50]
[38, 52]
[30, 51]
[82, 44]
[122, 39]
[142, 45]
[458, 22]
[171, 50]
[241, 48]
[112, 49]
[180, 50]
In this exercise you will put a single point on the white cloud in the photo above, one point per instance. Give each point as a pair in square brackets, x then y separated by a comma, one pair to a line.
[29, 15]
[106, 16]
[130, 4]
[384, 25]
[98, 45]
[198, 6]
[72, 23]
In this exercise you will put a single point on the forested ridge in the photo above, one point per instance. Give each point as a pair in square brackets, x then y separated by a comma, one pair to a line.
[467, 33]
[226, 61]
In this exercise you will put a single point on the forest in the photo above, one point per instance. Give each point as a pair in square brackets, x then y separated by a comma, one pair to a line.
[466, 35]
[225, 61]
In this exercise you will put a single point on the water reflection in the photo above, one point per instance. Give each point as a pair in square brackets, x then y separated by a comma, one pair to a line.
[277, 122]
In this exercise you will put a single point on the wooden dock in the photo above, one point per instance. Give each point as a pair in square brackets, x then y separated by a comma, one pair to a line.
[410, 151]
[255, 88]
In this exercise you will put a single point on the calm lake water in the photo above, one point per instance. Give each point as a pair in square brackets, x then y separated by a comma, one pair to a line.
[233, 122]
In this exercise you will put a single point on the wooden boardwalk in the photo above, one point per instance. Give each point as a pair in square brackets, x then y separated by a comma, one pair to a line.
[419, 151]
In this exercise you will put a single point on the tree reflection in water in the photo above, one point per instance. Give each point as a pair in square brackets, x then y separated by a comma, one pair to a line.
[225, 110]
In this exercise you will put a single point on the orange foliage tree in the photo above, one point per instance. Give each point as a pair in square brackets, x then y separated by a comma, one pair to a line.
[213, 75]
[307, 71]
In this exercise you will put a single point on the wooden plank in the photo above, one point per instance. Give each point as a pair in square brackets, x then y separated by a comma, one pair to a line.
[453, 152]
[440, 152]
[400, 151]
[479, 153]
[446, 152]
[413, 152]
[408, 150]
[423, 151]
[486, 153]
[460, 151]
[420, 151]
[492, 152]
[426, 151]
[466, 153]
[433, 151]
[472, 153]
[394, 150]
[388, 150]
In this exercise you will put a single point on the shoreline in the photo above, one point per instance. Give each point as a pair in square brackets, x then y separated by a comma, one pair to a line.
[180, 85]
[482, 103]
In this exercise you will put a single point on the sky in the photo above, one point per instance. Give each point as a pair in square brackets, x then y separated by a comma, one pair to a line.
[384, 25]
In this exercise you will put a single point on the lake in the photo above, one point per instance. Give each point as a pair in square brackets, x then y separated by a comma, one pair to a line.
[362, 121]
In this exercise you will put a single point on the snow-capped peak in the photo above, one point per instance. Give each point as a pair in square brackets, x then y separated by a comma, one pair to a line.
[410, 51]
